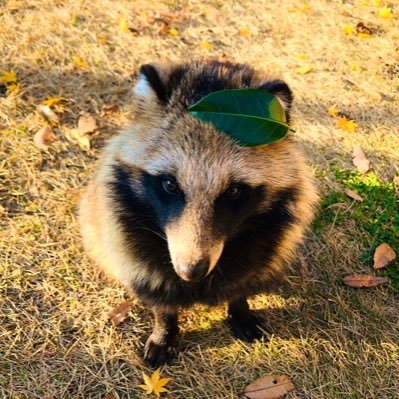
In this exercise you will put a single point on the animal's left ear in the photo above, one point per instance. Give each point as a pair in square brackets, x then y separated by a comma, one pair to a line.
[281, 90]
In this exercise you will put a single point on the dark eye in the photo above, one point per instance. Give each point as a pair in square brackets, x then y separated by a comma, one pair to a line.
[233, 192]
[170, 185]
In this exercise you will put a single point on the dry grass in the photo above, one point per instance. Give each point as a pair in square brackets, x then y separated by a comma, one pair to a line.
[55, 340]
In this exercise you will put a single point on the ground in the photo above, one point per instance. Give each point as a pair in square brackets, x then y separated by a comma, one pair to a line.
[331, 340]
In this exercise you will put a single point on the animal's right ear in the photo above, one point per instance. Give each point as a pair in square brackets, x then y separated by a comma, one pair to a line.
[150, 84]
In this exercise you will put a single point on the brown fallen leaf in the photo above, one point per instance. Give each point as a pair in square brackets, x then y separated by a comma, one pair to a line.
[364, 280]
[354, 195]
[269, 387]
[383, 255]
[108, 109]
[120, 313]
[48, 113]
[363, 29]
[360, 160]
[109, 396]
[87, 124]
[43, 137]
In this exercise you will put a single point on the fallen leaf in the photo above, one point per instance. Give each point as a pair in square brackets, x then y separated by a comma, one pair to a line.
[361, 28]
[348, 30]
[269, 387]
[164, 28]
[120, 313]
[87, 124]
[300, 56]
[109, 396]
[385, 12]
[48, 113]
[108, 109]
[354, 195]
[360, 160]
[345, 124]
[154, 384]
[364, 280]
[207, 45]
[78, 137]
[302, 70]
[13, 88]
[173, 32]
[383, 255]
[43, 137]
[8, 76]
[245, 32]
[123, 26]
[396, 180]
[363, 35]
[80, 63]
[355, 67]
[50, 101]
[332, 111]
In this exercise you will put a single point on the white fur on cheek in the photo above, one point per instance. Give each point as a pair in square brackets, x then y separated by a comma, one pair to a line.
[142, 87]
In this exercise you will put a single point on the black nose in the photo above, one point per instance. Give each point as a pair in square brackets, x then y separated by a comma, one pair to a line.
[194, 272]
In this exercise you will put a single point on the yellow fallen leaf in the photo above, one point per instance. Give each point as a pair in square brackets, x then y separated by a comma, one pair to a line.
[332, 111]
[345, 124]
[77, 137]
[13, 88]
[377, 3]
[244, 32]
[385, 12]
[74, 20]
[348, 29]
[300, 56]
[8, 76]
[363, 3]
[123, 26]
[302, 70]
[154, 384]
[355, 67]
[362, 35]
[207, 45]
[50, 101]
[80, 63]
[383, 255]
[173, 32]
[269, 387]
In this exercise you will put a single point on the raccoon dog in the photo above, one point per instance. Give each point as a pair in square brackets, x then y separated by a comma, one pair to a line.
[180, 214]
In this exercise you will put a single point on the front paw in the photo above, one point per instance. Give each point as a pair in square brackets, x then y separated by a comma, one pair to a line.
[247, 328]
[158, 353]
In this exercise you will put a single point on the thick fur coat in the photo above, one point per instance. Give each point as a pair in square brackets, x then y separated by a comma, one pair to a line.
[240, 212]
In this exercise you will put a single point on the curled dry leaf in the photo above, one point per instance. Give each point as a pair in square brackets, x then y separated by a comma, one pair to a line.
[360, 160]
[383, 255]
[364, 280]
[87, 124]
[48, 113]
[269, 387]
[108, 109]
[43, 137]
[120, 313]
[354, 195]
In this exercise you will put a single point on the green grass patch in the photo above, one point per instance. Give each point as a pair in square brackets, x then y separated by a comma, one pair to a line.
[376, 218]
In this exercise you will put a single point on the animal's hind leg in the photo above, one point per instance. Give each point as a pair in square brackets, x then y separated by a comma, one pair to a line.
[242, 322]
[160, 345]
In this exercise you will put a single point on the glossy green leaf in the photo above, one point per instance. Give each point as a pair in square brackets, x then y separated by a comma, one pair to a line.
[250, 116]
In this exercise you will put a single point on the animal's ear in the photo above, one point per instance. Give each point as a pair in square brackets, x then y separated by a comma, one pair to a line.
[281, 90]
[150, 84]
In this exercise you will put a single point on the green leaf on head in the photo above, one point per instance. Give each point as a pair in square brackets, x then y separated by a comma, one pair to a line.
[252, 117]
